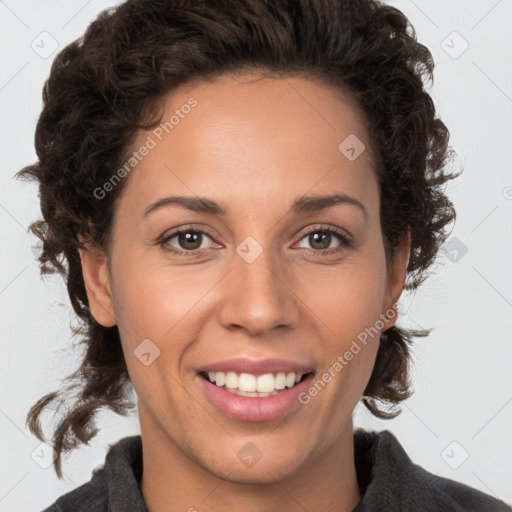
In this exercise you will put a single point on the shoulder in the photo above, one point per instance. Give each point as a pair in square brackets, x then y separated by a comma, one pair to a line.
[89, 497]
[396, 483]
[113, 486]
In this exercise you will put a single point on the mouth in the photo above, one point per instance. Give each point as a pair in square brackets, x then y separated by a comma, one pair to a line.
[255, 386]
[237, 396]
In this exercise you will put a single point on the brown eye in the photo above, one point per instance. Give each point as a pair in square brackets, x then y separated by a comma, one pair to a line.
[321, 239]
[187, 241]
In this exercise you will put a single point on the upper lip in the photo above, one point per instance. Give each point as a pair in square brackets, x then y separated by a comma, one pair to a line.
[256, 367]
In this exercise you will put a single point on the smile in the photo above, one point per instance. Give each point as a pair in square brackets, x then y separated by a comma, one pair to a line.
[249, 385]
[254, 405]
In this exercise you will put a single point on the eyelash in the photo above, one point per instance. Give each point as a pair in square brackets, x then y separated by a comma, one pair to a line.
[346, 242]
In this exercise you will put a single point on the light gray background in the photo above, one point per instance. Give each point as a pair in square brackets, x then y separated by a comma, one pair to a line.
[462, 404]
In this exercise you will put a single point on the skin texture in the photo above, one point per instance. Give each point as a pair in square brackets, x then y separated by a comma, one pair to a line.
[255, 146]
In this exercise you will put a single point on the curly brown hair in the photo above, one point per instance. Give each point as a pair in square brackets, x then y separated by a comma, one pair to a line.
[106, 86]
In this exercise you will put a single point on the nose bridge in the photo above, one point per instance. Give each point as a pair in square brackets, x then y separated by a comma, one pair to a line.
[257, 296]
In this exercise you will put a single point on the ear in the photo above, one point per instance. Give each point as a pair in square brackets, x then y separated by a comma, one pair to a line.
[97, 284]
[396, 281]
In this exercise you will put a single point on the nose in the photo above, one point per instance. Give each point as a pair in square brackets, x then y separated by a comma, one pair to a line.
[259, 296]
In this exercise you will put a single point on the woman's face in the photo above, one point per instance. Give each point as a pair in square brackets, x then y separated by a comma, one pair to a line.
[263, 279]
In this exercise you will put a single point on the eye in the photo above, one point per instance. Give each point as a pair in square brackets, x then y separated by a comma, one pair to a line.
[188, 241]
[321, 239]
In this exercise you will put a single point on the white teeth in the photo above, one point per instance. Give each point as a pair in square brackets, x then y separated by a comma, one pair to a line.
[251, 385]
[290, 380]
[265, 383]
[248, 393]
[280, 380]
[220, 377]
[247, 382]
[231, 380]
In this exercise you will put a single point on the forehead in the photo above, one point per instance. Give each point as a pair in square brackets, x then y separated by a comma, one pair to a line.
[244, 136]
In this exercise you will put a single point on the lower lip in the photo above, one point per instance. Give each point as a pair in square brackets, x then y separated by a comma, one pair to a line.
[255, 408]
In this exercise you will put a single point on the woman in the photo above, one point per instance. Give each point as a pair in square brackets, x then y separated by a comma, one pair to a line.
[237, 194]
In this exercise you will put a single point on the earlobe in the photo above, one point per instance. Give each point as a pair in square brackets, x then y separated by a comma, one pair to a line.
[97, 284]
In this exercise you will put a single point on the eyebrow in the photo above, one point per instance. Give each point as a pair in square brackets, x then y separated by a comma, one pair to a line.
[302, 204]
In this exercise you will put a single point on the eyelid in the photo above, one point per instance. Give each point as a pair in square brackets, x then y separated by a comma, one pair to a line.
[329, 228]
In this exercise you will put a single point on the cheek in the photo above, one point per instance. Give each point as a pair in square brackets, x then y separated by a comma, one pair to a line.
[151, 299]
[156, 310]
[348, 301]
[348, 297]
[349, 310]
[352, 344]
